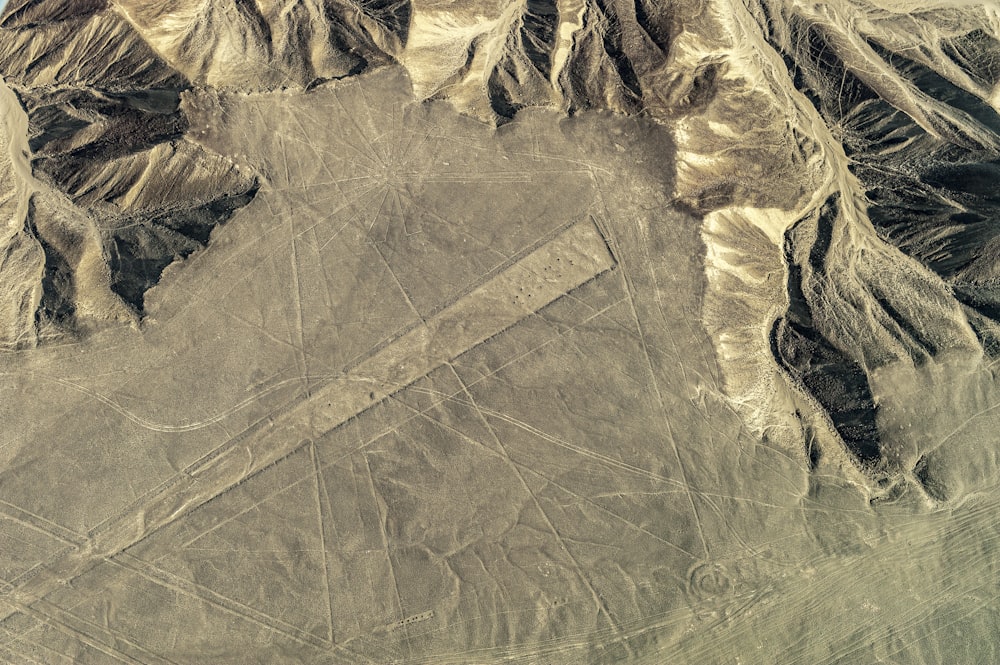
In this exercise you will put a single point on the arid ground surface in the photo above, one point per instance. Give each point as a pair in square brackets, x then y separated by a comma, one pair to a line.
[556, 332]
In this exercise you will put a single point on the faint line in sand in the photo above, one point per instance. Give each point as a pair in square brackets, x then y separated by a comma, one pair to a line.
[574, 257]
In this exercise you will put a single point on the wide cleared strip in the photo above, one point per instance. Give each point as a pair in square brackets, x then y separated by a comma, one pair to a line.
[574, 257]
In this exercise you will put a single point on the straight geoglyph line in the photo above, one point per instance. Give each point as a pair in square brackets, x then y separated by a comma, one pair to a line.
[572, 258]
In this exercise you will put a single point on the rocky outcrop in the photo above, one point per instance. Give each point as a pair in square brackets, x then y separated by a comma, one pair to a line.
[570, 54]
[111, 190]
